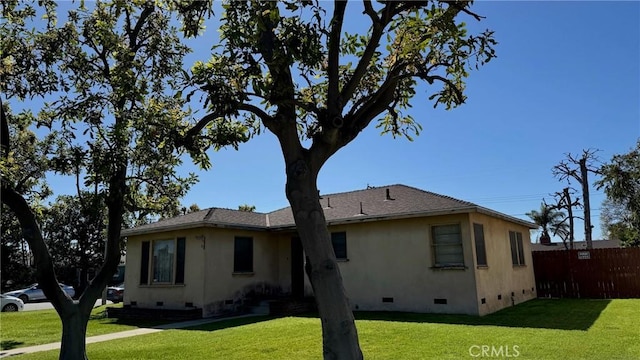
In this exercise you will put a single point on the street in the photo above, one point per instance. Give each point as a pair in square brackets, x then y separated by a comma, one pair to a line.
[47, 305]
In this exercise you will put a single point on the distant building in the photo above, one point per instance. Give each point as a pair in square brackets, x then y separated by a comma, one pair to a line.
[577, 245]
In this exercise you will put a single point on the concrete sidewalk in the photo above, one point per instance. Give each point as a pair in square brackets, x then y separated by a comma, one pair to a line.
[119, 335]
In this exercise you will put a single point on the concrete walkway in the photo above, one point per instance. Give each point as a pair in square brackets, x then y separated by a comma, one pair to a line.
[119, 335]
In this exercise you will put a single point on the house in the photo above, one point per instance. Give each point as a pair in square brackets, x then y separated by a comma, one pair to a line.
[578, 245]
[399, 249]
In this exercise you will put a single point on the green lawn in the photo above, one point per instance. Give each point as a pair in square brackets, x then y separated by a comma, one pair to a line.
[27, 328]
[538, 329]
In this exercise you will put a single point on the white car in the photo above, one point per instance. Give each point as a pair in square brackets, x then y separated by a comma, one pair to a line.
[10, 303]
[34, 293]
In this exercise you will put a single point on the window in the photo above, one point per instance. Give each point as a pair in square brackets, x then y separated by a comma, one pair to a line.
[163, 254]
[243, 255]
[163, 260]
[447, 245]
[339, 242]
[517, 249]
[144, 264]
[481, 252]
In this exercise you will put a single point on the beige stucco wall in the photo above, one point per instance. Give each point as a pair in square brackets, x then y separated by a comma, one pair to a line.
[501, 277]
[393, 259]
[222, 284]
[172, 296]
[386, 259]
[209, 281]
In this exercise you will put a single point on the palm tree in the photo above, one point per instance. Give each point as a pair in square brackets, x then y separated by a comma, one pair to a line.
[549, 218]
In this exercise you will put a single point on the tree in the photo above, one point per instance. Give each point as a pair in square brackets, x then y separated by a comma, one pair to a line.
[566, 229]
[616, 223]
[109, 73]
[15, 260]
[290, 66]
[73, 229]
[549, 219]
[621, 183]
[247, 208]
[578, 168]
[26, 168]
[190, 209]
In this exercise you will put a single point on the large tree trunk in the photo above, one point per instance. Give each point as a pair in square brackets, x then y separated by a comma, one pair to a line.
[74, 334]
[74, 315]
[584, 173]
[339, 334]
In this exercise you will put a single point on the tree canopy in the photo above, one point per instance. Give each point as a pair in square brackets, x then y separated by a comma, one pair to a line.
[107, 74]
[550, 220]
[112, 76]
[291, 68]
[621, 183]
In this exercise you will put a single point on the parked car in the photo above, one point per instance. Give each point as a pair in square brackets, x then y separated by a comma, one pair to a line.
[115, 293]
[10, 303]
[34, 293]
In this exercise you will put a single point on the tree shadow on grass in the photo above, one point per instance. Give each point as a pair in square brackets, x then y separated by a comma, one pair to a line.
[229, 323]
[9, 344]
[560, 314]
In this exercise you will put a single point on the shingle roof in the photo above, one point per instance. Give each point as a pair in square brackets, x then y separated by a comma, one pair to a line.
[402, 200]
[209, 217]
[394, 201]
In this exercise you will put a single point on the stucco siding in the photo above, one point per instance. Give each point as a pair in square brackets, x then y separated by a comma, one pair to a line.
[226, 289]
[500, 283]
[390, 267]
[170, 296]
[210, 282]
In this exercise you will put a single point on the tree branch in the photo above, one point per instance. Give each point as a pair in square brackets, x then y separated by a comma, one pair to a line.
[133, 35]
[456, 5]
[368, 10]
[264, 117]
[377, 29]
[334, 102]
[33, 234]
[378, 24]
[4, 131]
[431, 78]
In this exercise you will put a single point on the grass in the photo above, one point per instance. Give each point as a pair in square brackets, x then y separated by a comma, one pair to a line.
[27, 328]
[539, 329]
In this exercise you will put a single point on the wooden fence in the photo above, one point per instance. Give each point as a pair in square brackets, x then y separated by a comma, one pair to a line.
[596, 273]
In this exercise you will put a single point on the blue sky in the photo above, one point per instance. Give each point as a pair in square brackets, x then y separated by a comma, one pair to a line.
[567, 78]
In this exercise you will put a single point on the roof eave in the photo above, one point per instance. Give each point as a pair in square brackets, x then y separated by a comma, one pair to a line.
[192, 225]
[485, 211]
[354, 219]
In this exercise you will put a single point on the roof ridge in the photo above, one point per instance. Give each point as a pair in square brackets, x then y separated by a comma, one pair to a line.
[369, 188]
[441, 195]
